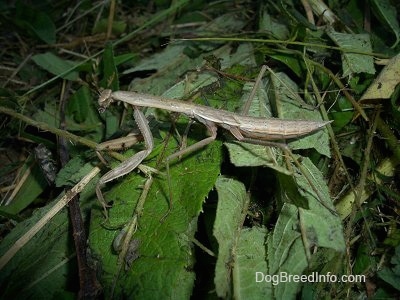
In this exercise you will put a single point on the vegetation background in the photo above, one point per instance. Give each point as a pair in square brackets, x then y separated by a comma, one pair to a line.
[329, 206]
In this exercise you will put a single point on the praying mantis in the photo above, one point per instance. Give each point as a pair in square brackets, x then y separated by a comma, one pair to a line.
[254, 130]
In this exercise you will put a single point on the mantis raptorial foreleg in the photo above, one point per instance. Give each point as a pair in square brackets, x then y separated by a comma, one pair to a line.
[120, 143]
[130, 164]
[117, 144]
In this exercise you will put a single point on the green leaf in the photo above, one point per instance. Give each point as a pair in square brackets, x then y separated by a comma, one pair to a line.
[250, 254]
[41, 267]
[386, 13]
[73, 172]
[36, 22]
[171, 61]
[364, 261]
[323, 226]
[289, 10]
[110, 74]
[286, 254]
[44, 27]
[244, 154]
[165, 247]
[291, 61]
[32, 186]
[83, 115]
[354, 63]
[386, 82]
[228, 220]
[55, 65]
[78, 106]
[248, 155]
[392, 275]
[123, 58]
[48, 115]
[342, 113]
[273, 27]
[118, 27]
[300, 229]
[284, 96]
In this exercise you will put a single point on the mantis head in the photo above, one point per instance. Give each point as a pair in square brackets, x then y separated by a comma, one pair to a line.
[105, 99]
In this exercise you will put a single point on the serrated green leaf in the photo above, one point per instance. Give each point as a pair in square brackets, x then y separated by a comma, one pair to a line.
[243, 154]
[283, 94]
[48, 115]
[244, 55]
[354, 63]
[248, 155]
[319, 220]
[81, 104]
[363, 259]
[180, 88]
[228, 220]
[289, 10]
[271, 26]
[298, 229]
[164, 247]
[286, 254]
[172, 61]
[249, 258]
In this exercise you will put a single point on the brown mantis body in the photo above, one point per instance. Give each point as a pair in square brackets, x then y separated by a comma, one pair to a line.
[255, 130]
[240, 126]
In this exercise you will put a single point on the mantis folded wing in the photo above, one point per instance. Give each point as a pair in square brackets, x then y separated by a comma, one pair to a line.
[244, 128]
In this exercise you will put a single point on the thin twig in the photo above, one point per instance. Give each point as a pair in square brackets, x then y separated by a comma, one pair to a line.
[47, 217]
